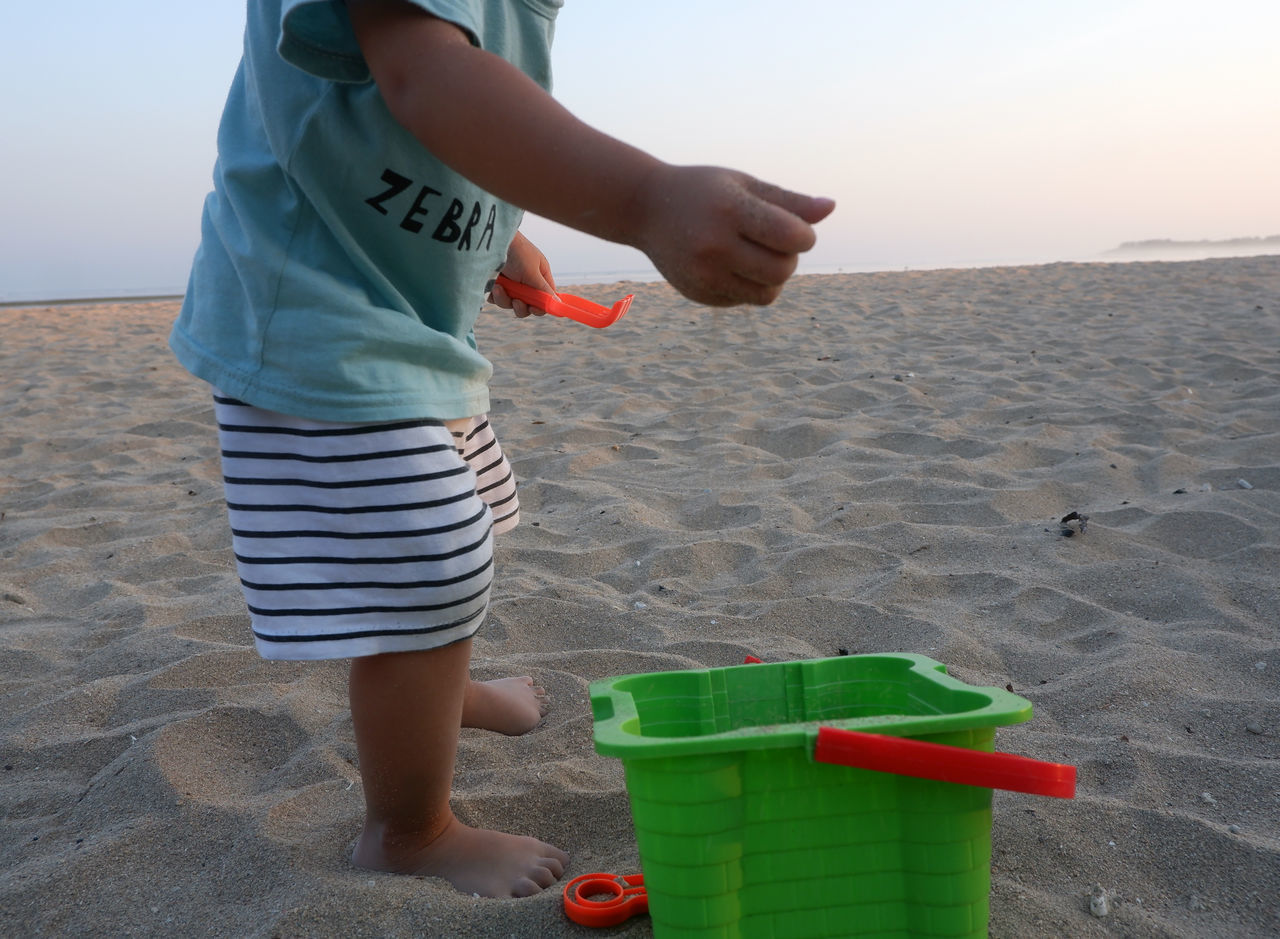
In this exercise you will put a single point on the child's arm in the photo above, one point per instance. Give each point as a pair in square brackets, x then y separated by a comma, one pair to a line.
[719, 236]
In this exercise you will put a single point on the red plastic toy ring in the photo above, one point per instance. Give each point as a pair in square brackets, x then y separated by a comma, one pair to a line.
[624, 897]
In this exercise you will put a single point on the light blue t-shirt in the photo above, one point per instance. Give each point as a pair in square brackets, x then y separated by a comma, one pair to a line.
[341, 265]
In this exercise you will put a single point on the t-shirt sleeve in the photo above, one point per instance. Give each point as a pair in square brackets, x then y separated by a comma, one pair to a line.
[316, 35]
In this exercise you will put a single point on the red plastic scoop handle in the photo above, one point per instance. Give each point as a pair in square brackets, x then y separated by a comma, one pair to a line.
[605, 899]
[937, 761]
[566, 304]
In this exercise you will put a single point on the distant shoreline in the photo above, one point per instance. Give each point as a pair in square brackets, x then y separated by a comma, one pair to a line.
[1261, 245]
[1160, 249]
[74, 301]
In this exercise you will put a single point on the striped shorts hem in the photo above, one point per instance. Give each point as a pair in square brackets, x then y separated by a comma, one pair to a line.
[360, 539]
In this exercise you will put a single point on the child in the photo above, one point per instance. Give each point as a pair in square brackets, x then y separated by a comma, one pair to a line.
[370, 160]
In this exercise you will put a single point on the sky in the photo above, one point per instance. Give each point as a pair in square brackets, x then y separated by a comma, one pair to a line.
[950, 133]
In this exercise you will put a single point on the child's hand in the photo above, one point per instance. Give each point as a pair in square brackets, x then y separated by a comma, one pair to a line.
[722, 237]
[525, 265]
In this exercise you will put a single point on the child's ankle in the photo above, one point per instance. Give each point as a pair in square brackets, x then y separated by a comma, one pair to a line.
[383, 847]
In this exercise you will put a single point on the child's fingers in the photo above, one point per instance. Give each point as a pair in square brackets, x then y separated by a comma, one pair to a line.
[783, 220]
[775, 228]
[751, 274]
[764, 266]
[499, 297]
[812, 209]
[750, 292]
[735, 290]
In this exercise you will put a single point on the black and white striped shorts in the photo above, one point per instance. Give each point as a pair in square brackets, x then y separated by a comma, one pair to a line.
[358, 539]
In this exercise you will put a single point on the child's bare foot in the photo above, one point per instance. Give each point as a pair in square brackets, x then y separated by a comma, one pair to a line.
[474, 860]
[511, 706]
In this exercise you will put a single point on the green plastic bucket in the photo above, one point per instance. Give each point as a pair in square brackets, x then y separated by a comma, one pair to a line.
[742, 833]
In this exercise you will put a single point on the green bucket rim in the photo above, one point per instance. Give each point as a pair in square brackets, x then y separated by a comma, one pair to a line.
[617, 718]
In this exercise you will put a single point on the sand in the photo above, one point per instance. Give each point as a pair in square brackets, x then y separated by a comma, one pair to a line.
[877, 463]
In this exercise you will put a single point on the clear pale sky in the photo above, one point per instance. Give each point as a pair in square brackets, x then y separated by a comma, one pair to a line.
[950, 133]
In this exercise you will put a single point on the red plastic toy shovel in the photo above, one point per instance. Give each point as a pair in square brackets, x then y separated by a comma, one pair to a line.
[937, 761]
[566, 304]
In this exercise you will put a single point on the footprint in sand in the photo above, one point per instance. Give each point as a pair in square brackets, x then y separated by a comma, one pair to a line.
[1201, 534]
[226, 755]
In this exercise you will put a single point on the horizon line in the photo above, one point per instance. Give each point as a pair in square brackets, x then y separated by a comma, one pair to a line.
[651, 275]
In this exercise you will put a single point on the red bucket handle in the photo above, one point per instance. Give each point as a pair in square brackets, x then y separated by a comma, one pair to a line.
[925, 760]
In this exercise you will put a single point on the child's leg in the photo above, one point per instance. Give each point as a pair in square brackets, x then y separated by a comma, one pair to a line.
[509, 705]
[407, 709]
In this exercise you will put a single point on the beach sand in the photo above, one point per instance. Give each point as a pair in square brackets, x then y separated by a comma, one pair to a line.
[877, 463]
